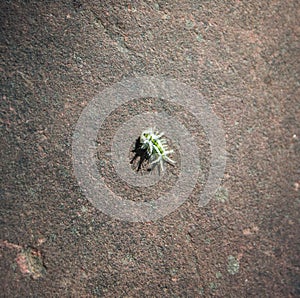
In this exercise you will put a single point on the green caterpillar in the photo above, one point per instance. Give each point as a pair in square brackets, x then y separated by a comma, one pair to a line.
[156, 147]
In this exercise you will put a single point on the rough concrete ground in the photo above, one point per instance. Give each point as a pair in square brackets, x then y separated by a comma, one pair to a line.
[243, 56]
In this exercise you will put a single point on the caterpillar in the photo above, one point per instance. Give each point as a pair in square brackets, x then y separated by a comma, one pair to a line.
[156, 148]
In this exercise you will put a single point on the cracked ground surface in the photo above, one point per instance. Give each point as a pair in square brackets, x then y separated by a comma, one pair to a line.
[242, 56]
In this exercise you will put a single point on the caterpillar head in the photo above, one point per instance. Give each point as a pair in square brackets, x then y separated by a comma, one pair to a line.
[146, 137]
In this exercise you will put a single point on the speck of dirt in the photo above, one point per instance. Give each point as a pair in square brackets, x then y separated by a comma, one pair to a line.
[233, 265]
[222, 195]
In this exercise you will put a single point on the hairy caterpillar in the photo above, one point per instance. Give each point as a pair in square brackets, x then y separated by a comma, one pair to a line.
[156, 148]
